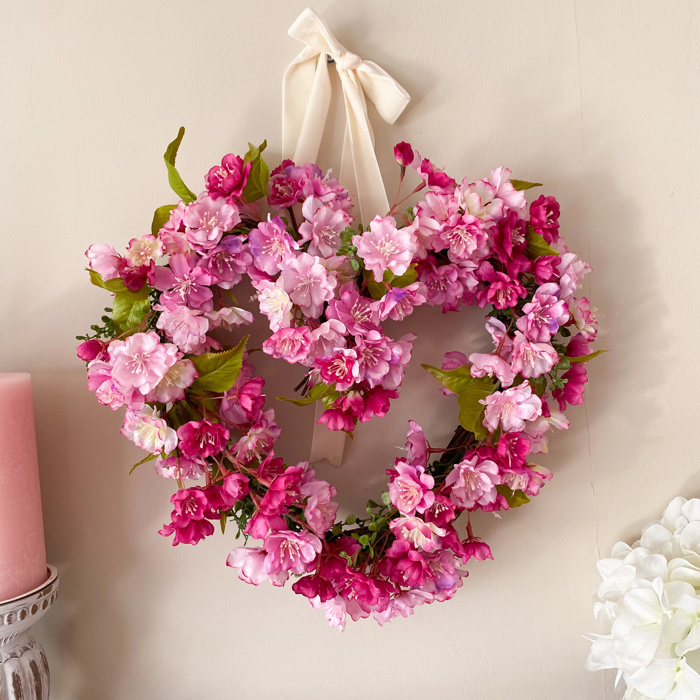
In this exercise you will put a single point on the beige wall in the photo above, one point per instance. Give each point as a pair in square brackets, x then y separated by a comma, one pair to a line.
[598, 99]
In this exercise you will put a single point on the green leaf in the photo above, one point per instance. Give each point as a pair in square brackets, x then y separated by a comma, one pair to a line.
[376, 289]
[127, 312]
[538, 384]
[222, 520]
[147, 458]
[536, 245]
[521, 185]
[584, 358]
[385, 499]
[456, 380]
[363, 540]
[218, 371]
[408, 277]
[117, 286]
[256, 186]
[160, 217]
[514, 498]
[471, 412]
[176, 183]
[317, 391]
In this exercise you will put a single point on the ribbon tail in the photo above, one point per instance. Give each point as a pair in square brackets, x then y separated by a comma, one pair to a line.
[326, 444]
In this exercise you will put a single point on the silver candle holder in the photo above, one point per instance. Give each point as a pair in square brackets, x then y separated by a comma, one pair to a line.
[24, 671]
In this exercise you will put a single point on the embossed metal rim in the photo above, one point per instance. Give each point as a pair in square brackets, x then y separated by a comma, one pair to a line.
[53, 577]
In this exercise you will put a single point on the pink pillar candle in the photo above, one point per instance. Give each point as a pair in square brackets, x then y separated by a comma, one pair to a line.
[22, 549]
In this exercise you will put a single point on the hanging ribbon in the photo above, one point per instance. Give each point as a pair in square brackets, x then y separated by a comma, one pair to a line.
[306, 98]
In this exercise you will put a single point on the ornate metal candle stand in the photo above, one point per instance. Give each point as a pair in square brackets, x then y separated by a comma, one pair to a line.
[24, 672]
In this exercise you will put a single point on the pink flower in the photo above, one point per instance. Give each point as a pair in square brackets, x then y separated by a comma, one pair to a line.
[207, 219]
[251, 562]
[463, 236]
[91, 350]
[576, 377]
[584, 317]
[282, 491]
[322, 227]
[443, 283]
[502, 291]
[108, 391]
[308, 284]
[188, 517]
[384, 247]
[284, 189]
[172, 386]
[511, 198]
[141, 361]
[341, 369]
[416, 445]
[183, 284]
[202, 439]
[544, 217]
[399, 302]
[171, 234]
[260, 438]
[320, 509]
[290, 344]
[228, 317]
[226, 263]
[141, 251]
[295, 552]
[377, 403]
[401, 351]
[337, 419]
[180, 467]
[404, 565]
[405, 155]
[511, 408]
[186, 327]
[148, 431]
[358, 314]
[229, 178]
[271, 245]
[416, 532]
[315, 586]
[244, 402]
[411, 489]
[442, 512]
[498, 332]
[373, 356]
[473, 482]
[544, 314]
[275, 304]
[475, 549]
[104, 260]
[492, 365]
[479, 199]
[532, 359]
[326, 339]
[571, 273]
[436, 179]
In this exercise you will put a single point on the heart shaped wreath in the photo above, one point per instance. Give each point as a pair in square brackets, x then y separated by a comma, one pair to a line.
[198, 409]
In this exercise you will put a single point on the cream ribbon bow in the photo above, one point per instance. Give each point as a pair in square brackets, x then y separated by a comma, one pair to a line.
[306, 97]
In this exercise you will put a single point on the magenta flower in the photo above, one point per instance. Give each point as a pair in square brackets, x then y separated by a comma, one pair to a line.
[202, 439]
[358, 314]
[341, 369]
[183, 284]
[576, 377]
[290, 344]
[476, 549]
[484, 365]
[186, 327]
[404, 565]
[462, 237]
[377, 403]
[315, 586]
[284, 189]
[91, 350]
[188, 517]
[405, 155]
[148, 431]
[243, 403]
[442, 512]
[416, 445]
[141, 361]
[295, 552]
[308, 283]
[227, 262]
[502, 291]
[275, 304]
[337, 419]
[229, 178]
[473, 482]
[411, 489]
[443, 283]
[532, 359]
[172, 386]
[544, 217]
[436, 179]
[322, 227]
[207, 219]
[271, 245]
[544, 314]
[384, 247]
[282, 491]
[511, 408]
[104, 260]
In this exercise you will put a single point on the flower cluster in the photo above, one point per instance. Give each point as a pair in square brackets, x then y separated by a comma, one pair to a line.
[325, 286]
[647, 608]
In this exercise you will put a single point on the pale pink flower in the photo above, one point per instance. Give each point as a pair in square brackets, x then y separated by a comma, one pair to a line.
[416, 445]
[571, 273]
[172, 386]
[492, 365]
[148, 431]
[473, 482]
[584, 317]
[544, 314]
[207, 219]
[399, 302]
[320, 510]
[180, 467]
[229, 317]
[290, 344]
[308, 284]
[502, 341]
[511, 408]
[416, 532]
[171, 235]
[295, 552]
[411, 489]
[532, 359]
[384, 247]
[183, 283]
[251, 562]
[443, 283]
[271, 245]
[463, 236]
[326, 339]
[322, 227]
[374, 353]
[187, 328]
[104, 260]
[108, 391]
[260, 438]
[358, 314]
[401, 351]
[141, 361]
[479, 199]
[511, 198]
[274, 303]
[144, 250]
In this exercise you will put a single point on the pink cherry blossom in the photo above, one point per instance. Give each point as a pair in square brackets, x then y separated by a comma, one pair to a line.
[275, 304]
[384, 247]
[290, 344]
[511, 198]
[308, 284]
[374, 354]
[144, 250]
[532, 359]
[404, 565]
[148, 431]
[473, 482]
[186, 327]
[416, 445]
[399, 302]
[443, 283]
[478, 550]
[411, 489]
[184, 283]
[189, 524]
[229, 178]
[227, 262]
[544, 217]
[484, 365]
[337, 419]
[104, 260]
[141, 361]
[377, 403]
[92, 350]
[295, 552]
[341, 369]
[571, 273]
[502, 291]
[326, 339]
[207, 219]
[178, 466]
[511, 408]
[229, 317]
[271, 245]
[463, 236]
[405, 155]
[202, 439]
[358, 314]
[401, 351]
[173, 384]
[260, 438]
[322, 227]
[320, 510]
[416, 532]
[251, 562]
[544, 314]
[584, 317]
